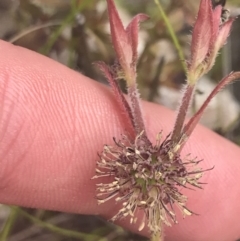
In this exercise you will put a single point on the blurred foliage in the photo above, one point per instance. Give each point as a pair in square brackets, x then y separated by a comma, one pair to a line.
[76, 33]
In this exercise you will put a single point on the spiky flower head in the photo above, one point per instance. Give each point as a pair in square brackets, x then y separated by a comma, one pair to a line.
[150, 176]
[146, 177]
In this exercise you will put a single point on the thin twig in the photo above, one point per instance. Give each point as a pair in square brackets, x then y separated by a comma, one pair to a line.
[172, 34]
[33, 29]
[53, 228]
[9, 225]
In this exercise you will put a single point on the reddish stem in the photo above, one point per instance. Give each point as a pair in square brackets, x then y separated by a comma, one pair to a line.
[182, 112]
[137, 111]
[189, 127]
[118, 94]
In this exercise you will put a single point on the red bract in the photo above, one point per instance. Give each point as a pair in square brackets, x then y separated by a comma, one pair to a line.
[216, 22]
[120, 38]
[219, 41]
[208, 37]
[125, 42]
[201, 35]
[132, 32]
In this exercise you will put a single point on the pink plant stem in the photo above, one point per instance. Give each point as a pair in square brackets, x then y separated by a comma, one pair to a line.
[182, 112]
[137, 111]
[189, 127]
[119, 95]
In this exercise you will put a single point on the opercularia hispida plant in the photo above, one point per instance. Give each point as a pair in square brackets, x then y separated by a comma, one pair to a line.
[148, 176]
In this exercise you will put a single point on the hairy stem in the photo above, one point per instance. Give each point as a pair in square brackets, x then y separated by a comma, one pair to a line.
[118, 94]
[182, 112]
[189, 127]
[137, 111]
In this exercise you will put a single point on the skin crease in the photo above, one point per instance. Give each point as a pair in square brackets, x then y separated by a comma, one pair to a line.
[53, 121]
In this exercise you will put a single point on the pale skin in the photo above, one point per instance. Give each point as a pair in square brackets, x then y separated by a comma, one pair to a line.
[53, 121]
